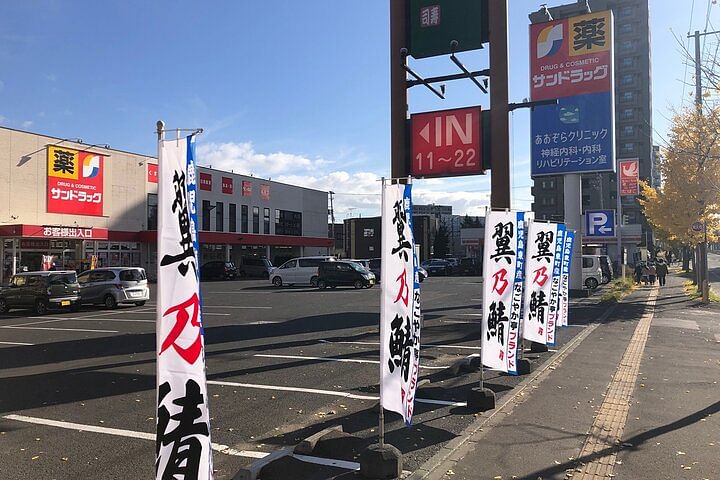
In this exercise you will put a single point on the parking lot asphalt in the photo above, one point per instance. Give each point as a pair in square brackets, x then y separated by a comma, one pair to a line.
[77, 389]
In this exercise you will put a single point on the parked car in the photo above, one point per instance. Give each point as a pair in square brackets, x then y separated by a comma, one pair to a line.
[255, 267]
[303, 270]
[342, 272]
[375, 263]
[591, 271]
[437, 266]
[470, 266]
[218, 270]
[114, 285]
[41, 291]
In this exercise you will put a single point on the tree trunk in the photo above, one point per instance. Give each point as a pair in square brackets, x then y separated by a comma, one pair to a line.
[686, 259]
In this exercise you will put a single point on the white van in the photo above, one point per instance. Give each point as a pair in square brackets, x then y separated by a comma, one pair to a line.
[591, 271]
[302, 270]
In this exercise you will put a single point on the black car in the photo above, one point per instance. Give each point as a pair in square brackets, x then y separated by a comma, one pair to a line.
[469, 266]
[218, 270]
[255, 267]
[375, 264]
[41, 291]
[437, 266]
[333, 274]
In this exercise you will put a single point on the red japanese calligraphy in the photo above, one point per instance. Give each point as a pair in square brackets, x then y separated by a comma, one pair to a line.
[404, 290]
[191, 353]
[500, 282]
[541, 276]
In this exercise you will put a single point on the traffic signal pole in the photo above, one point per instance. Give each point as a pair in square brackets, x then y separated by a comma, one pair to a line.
[398, 89]
[499, 105]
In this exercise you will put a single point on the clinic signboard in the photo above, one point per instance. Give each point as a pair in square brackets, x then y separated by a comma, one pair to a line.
[571, 60]
[75, 181]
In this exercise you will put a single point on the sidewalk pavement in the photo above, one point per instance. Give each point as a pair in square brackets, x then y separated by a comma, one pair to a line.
[634, 397]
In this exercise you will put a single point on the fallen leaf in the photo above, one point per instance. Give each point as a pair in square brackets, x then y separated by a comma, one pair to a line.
[680, 453]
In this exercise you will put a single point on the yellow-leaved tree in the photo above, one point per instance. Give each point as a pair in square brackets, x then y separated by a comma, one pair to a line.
[690, 170]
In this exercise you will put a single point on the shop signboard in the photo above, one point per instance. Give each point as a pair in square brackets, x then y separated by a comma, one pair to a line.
[264, 191]
[74, 181]
[434, 24]
[205, 181]
[447, 143]
[571, 60]
[227, 185]
[629, 177]
[247, 189]
[152, 172]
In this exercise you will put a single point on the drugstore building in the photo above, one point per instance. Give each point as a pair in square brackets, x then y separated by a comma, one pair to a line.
[70, 200]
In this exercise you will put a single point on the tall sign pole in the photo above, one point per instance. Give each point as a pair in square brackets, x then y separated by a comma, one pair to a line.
[398, 88]
[499, 109]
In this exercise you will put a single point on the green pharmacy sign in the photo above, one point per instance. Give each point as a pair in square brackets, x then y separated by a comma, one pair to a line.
[434, 24]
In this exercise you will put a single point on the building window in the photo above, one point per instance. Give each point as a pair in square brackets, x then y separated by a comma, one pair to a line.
[219, 213]
[368, 232]
[288, 223]
[628, 131]
[266, 221]
[627, 28]
[232, 218]
[206, 215]
[628, 114]
[626, 11]
[244, 218]
[628, 62]
[628, 147]
[627, 46]
[152, 207]
[256, 219]
[548, 184]
[628, 96]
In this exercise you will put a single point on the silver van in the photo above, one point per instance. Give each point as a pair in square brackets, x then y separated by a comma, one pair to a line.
[302, 270]
[114, 285]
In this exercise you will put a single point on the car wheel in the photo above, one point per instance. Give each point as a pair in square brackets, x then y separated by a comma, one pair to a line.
[109, 302]
[314, 282]
[41, 307]
[277, 281]
[591, 283]
[140, 304]
[358, 284]
[3, 306]
[321, 284]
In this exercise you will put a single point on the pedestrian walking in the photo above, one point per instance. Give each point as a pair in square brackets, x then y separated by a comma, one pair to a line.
[662, 271]
[637, 273]
[652, 273]
[645, 274]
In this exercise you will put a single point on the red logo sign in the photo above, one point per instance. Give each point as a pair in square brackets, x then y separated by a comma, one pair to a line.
[74, 182]
[247, 189]
[205, 181]
[227, 185]
[447, 143]
[152, 171]
[629, 177]
[265, 191]
[571, 56]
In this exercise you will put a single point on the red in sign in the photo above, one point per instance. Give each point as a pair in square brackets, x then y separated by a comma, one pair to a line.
[152, 172]
[227, 185]
[447, 143]
[247, 189]
[629, 177]
[265, 191]
[205, 181]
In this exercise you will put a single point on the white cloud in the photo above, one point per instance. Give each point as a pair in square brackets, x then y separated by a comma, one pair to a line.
[242, 158]
[3, 119]
[2, 85]
[51, 77]
[27, 124]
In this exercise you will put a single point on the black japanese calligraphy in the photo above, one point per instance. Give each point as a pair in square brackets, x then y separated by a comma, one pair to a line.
[399, 345]
[185, 454]
[503, 235]
[400, 220]
[543, 241]
[496, 322]
[589, 33]
[64, 162]
[186, 258]
[538, 306]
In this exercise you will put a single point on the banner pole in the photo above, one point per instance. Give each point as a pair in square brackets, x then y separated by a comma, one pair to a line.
[383, 268]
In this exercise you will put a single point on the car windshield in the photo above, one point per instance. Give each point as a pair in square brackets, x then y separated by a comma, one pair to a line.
[65, 278]
[132, 275]
[356, 266]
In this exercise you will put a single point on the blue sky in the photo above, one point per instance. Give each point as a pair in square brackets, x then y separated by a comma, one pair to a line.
[295, 91]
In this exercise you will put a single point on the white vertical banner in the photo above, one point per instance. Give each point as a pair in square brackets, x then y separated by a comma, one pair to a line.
[554, 303]
[503, 259]
[539, 264]
[183, 421]
[399, 304]
[565, 279]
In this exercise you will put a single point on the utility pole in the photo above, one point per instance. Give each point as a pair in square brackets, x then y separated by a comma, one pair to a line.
[499, 108]
[398, 89]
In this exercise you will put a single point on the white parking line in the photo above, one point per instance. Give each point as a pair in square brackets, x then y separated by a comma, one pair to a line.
[53, 319]
[429, 345]
[124, 433]
[330, 359]
[16, 343]
[326, 392]
[64, 329]
[470, 314]
[84, 319]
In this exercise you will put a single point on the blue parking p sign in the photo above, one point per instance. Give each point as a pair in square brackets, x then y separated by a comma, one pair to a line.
[600, 223]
